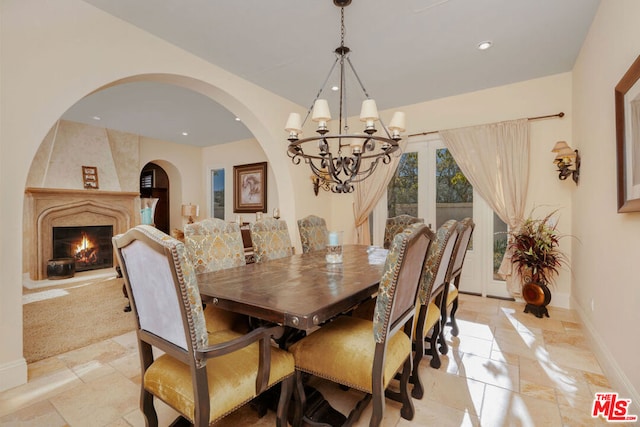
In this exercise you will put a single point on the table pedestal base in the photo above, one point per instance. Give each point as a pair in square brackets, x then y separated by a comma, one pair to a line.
[318, 412]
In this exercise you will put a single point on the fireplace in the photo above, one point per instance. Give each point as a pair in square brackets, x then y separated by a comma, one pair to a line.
[89, 246]
[75, 211]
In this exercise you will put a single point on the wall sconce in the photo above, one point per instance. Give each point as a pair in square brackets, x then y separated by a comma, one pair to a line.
[319, 183]
[190, 211]
[567, 160]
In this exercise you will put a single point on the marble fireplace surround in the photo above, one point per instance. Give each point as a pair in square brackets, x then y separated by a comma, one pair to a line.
[46, 208]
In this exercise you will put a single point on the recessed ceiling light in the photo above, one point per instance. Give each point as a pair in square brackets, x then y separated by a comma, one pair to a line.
[185, 133]
[237, 119]
[485, 45]
[96, 117]
[335, 88]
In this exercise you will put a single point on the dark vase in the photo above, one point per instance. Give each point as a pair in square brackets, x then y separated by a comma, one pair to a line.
[537, 296]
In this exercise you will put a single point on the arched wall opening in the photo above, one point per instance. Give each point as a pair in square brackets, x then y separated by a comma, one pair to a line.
[99, 50]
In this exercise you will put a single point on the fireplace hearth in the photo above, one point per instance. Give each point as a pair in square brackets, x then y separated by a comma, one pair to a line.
[89, 246]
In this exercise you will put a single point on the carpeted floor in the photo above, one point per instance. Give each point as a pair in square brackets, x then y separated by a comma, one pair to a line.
[86, 314]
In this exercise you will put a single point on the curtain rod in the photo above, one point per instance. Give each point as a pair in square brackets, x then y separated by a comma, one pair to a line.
[559, 115]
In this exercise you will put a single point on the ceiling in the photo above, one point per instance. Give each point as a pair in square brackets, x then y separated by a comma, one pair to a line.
[405, 52]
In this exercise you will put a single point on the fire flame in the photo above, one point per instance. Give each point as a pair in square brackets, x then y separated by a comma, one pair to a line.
[85, 244]
[86, 252]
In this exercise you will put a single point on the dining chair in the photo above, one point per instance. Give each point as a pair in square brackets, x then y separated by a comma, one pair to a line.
[366, 354]
[313, 233]
[432, 297]
[202, 376]
[270, 239]
[395, 225]
[465, 231]
[211, 245]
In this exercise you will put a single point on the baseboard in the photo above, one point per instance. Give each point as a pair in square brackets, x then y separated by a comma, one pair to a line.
[619, 381]
[13, 374]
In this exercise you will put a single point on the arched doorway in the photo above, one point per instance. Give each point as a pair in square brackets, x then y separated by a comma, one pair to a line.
[154, 182]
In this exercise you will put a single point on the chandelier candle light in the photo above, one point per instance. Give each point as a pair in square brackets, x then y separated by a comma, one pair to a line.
[343, 159]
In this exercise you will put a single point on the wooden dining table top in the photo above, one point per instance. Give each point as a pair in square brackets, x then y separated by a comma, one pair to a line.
[301, 291]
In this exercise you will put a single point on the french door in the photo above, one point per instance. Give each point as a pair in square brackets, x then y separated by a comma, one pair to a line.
[428, 184]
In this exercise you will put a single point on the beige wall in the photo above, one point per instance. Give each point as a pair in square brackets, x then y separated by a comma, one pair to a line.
[53, 54]
[605, 262]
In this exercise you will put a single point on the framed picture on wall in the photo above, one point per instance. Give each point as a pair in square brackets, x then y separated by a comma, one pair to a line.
[90, 177]
[250, 188]
[627, 101]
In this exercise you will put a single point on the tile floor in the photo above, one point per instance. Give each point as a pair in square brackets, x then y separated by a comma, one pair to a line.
[506, 368]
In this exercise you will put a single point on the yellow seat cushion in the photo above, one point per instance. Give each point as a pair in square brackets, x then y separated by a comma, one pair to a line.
[342, 351]
[453, 294]
[218, 319]
[433, 316]
[232, 378]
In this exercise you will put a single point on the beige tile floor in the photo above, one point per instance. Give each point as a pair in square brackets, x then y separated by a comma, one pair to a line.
[506, 368]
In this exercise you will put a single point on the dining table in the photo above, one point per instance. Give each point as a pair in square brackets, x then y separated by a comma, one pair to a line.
[299, 292]
[302, 291]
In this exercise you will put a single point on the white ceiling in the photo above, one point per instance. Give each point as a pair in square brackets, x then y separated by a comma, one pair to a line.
[405, 52]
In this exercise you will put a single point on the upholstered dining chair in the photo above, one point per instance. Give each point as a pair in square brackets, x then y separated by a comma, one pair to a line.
[395, 225]
[270, 239]
[465, 231]
[202, 376]
[366, 354]
[313, 233]
[432, 297]
[211, 245]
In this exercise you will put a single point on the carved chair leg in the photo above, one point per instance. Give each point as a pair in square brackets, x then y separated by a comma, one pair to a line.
[285, 398]
[408, 411]
[299, 399]
[149, 411]
[418, 389]
[444, 347]
[433, 342]
[452, 318]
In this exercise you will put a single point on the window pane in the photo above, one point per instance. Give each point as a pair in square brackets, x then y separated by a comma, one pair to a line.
[402, 192]
[499, 244]
[454, 194]
[217, 196]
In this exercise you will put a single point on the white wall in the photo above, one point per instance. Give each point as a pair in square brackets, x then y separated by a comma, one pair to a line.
[605, 261]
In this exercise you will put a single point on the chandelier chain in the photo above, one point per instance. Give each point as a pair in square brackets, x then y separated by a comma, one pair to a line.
[342, 27]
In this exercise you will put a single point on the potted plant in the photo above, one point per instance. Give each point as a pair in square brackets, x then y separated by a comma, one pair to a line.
[537, 258]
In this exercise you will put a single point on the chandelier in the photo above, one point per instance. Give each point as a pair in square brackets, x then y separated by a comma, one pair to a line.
[343, 159]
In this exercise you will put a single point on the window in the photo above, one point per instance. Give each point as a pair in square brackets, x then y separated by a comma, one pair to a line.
[217, 193]
[454, 194]
[146, 178]
[402, 192]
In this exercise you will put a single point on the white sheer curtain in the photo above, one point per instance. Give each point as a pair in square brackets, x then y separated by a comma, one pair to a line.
[495, 160]
[368, 192]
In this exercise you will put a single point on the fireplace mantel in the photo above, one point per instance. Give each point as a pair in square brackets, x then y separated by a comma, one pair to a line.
[46, 208]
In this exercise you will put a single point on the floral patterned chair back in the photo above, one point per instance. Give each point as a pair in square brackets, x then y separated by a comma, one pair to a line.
[270, 239]
[396, 225]
[213, 244]
[313, 233]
